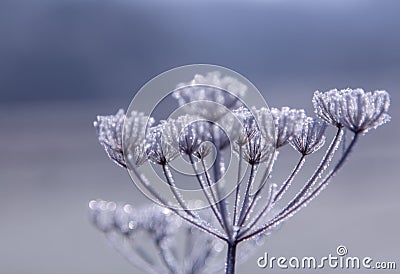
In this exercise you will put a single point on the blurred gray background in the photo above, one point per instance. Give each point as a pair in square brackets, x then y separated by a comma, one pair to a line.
[63, 62]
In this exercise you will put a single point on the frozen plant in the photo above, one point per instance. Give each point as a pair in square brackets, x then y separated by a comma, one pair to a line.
[245, 214]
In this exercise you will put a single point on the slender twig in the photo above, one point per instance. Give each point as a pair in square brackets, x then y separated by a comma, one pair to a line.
[211, 200]
[165, 257]
[289, 180]
[172, 186]
[264, 210]
[245, 205]
[263, 183]
[221, 200]
[239, 179]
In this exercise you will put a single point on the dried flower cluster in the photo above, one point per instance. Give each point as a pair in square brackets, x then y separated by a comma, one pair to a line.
[253, 208]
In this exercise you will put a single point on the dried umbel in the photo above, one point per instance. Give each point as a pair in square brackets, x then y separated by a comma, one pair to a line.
[109, 131]
[355, 109]
[311, 137]
[254, 207]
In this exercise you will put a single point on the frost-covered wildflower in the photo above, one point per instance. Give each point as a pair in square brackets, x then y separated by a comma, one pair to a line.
[193, 138]
[288, 123]
[210, 96]
[246, 124]
[158, 149]
[109, 132]
[255, 206]
[257, 149]
[311, 138]
[265, 122]
[355, 109]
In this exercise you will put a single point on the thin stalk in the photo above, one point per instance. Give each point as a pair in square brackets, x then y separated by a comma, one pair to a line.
[221, 201]
[245, 204]
[289, 180]
[254, 197]
[172, 186]
[165, 257]
[236, 205]
[289, 211]
[264, 210]
[231, 258]
[211, 200]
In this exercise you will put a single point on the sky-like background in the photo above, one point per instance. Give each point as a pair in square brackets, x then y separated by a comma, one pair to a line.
[63, 62]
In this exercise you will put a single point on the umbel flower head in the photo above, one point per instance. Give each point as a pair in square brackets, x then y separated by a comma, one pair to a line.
[158, 149]
[311, 138]
[355, 109]
[109, 131]
[210, 96]
[288, 123]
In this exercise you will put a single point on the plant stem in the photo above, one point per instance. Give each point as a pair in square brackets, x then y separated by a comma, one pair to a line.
[231, 258]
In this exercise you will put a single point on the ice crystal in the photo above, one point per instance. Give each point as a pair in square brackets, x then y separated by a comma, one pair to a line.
[355, 109]
[311, 138]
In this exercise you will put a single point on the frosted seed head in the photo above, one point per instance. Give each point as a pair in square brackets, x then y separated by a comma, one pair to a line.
[311, 137]
[355, 109]
[288, 124]
[158, 149]
[109, 133]
[207, 91]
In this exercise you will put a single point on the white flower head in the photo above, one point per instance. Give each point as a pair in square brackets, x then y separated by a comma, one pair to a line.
[258, 149]
[136, 128]
[265, 122]
[109, 133]
[311, 138]
[355, 109]
[158, 148]
[288, 123]
[203, 94]
[195, 139]
[246, 124]
[110, 130]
